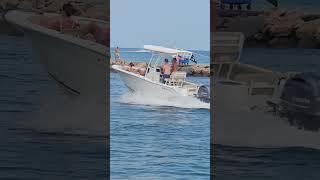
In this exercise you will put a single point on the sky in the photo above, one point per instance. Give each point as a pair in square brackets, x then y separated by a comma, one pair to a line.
[170, 23]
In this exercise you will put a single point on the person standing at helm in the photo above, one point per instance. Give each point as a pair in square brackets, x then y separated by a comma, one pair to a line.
[166, 70]
[174, 65]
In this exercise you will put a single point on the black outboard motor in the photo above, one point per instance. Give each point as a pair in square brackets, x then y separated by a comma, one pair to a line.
[204, 94]
[300, 101]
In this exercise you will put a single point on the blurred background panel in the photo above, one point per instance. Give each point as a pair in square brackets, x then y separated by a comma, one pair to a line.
[54, 92]
[264, 62]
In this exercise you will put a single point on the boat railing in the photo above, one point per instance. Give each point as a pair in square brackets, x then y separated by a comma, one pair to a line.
[226, 51]
[177, 78]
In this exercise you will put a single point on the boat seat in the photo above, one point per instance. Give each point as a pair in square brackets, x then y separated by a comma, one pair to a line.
[190, 88]
[176, 78]
[259, 88]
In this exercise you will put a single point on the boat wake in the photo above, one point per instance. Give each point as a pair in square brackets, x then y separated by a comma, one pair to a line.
[179, 102]
[239, 127]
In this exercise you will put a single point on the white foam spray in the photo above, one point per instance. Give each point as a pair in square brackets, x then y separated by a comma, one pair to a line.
[180, 102]
[243, 127]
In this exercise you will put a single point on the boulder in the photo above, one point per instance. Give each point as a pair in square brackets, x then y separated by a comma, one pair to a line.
[196, 70]
[9, 4]
[206, 71]
[25, 5]
[53, 7]
[282, 23]
[307, 33]
[248, 25]
[95, 12]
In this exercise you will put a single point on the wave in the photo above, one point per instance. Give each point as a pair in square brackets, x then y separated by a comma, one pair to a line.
[245, 128]
[179, 102]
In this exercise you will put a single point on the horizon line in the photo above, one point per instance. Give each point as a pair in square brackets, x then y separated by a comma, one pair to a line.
[142, 48]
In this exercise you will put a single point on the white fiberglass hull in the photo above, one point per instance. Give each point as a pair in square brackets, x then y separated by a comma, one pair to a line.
[139, 84]
[79, 65]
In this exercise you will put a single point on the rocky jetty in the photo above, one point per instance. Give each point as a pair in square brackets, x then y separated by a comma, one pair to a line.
[84, 8]
[278, 28]
[192, 70]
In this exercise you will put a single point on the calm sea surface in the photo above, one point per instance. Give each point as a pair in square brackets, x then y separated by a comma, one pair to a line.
[34, 146]
[163, 142]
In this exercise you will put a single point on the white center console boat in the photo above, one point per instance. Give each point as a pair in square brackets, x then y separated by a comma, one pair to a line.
[152, 82]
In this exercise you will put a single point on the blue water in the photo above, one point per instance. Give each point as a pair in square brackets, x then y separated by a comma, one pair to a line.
[153, 140]
[298, 161]
[147, 142]
[33, 147]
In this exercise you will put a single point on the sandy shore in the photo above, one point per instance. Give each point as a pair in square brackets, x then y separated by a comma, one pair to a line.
[192, 70]
[277, 28]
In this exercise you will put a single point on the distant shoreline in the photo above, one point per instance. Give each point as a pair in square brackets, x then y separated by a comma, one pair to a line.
[202, 70]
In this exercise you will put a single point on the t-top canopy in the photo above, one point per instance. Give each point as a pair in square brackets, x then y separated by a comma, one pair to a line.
[165, 50]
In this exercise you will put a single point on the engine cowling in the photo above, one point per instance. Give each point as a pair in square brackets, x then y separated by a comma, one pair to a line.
[204, 94]
[300, 100]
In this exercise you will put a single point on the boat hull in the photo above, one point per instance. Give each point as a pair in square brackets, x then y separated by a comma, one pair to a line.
[139, 84]
[79, 69]
[75, 63]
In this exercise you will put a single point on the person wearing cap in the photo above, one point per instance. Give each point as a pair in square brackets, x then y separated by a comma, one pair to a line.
[166, 70]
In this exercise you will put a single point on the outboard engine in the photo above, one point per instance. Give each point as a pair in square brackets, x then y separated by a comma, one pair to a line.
[300, 101]
[204, 94]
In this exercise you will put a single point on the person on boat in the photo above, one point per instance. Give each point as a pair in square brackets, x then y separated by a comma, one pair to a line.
[133, 69]
[101, 34]
[131, 66]
[166, 70]
[67, 23]
[174, 65]
[63, 22]
[117, 53]
[179, 59]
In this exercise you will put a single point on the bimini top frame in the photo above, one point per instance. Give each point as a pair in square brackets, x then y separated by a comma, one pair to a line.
[159, 52]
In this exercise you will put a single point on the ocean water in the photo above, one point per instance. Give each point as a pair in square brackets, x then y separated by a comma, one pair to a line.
[283, 152]
[36, 143]
[152, 138]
